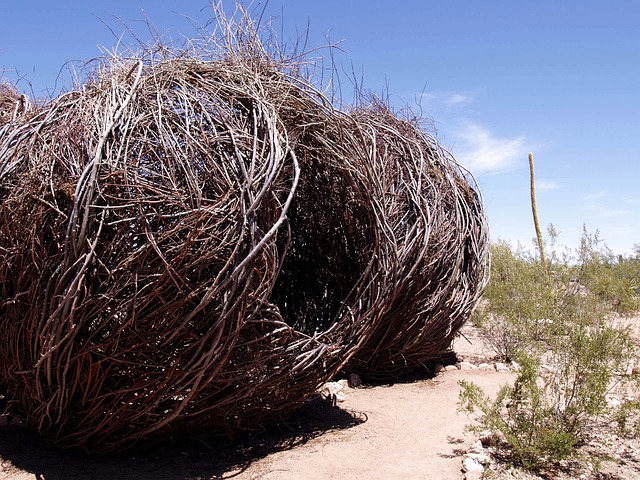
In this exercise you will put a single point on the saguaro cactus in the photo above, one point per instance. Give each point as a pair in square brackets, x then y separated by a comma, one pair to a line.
[534, 209]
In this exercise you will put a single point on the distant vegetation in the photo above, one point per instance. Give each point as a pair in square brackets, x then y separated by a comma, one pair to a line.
[558, 320]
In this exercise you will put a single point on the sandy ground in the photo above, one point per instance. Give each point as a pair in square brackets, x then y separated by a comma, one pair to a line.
[402, 431]
[407, 430]
[412, 432]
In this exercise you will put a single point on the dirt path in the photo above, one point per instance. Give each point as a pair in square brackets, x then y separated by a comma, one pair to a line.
[403, 431]
[412, 432]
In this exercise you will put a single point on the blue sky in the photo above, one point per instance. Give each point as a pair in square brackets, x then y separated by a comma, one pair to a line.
[498, 78]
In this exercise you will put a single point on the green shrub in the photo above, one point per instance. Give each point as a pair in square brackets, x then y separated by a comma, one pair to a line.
[522, 416]
[614, 280]
[520, 302]
[543, 416]
[627, 418]
[560, 312]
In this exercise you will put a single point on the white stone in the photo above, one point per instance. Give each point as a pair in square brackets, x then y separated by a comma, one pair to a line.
[467, 366]
[476, 447]
[502, 367]
[340, 397]
[481, 458]
[331, 388]
[486, 367]
[613, 401]
[450, 368]
[471, 465]
[546, 369]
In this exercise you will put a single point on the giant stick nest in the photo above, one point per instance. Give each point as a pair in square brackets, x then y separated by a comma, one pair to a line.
[193, 243]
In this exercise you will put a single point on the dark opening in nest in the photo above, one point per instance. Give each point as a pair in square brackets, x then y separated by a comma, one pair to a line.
[329, 251]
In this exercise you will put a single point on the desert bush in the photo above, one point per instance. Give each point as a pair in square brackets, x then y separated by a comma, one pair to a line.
[627, 418]
[614, 279]
[520, 415]
[521, 302]
[561, 313]
[543, 416]
[526, 302]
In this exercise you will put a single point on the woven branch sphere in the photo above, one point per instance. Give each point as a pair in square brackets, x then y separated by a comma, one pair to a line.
[392, 263]
[190, 247]
[434, 249]
[140, 241]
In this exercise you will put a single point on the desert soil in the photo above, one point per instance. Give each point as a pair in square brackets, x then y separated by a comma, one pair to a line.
[408, 430]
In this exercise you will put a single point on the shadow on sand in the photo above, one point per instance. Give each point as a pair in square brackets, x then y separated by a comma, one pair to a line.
[202, 458]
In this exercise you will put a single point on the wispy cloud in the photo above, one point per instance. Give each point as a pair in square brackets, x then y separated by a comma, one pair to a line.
[457, 100]
[475, 146]
[424, 98]
[439, 100]
[602, 211]
[594, 196]
[482, 152]
[599, 203]
[546, 185]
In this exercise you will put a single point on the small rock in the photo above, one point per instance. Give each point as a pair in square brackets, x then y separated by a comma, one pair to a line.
[451, 368]
[438, 368]
[515, 366]
[477, 447]
[471, 465]
[502, 367]
[489, 439]
[344, 382]
[546, 369]
[486, 367]
[613, 401]
[331, 388]
[481, 458]
[332, 391]
[467, 366]
[354, 380]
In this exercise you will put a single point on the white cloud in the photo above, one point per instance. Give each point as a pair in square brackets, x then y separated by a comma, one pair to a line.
[424, 98]
[457, 99]
[546, 185]
[438, 101]
[602, 211]
[599, 204]
[482, 152]
[594, 196]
